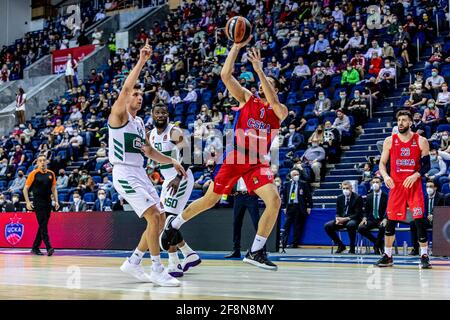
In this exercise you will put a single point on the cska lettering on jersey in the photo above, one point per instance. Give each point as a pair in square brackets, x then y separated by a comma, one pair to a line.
[258, 125]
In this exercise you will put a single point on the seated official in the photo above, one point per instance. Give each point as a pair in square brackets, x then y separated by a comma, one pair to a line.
[348, 215]
[374, 216]
[102, 203]
[432, 199]
[78, 205]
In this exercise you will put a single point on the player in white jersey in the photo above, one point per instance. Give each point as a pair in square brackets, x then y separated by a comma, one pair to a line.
[176, 190]
[128, 144]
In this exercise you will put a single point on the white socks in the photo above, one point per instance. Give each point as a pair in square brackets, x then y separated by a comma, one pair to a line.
[156, 264]
[423, 250]
[258, 243]
[136, 257]
[173, 258]
[186, 250]
[388, 251]
[178, 222]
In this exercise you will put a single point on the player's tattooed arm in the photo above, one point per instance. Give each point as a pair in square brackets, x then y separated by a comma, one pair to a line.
[383, 162]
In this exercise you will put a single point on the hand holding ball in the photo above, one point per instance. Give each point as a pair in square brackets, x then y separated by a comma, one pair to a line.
[238, 30]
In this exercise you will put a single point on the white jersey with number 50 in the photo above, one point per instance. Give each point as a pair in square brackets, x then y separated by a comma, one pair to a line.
[163, 144]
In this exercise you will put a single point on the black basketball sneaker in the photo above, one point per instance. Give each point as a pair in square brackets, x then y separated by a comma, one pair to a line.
[169, 236]
[425, 262]
[385, 261]
[259, 259]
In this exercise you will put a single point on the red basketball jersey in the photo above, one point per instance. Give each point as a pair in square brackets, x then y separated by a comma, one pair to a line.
[404, 157]
[256, 126]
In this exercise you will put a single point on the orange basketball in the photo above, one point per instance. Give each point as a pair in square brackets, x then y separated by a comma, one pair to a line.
[238, 29]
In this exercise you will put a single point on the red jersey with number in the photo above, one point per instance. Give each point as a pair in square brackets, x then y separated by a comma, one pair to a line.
[256, 126]
[404, 157]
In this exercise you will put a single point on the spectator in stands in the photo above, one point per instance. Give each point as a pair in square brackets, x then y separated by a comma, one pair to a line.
[301, 70]
[417, 98]
[433, 198]
[342, 102]
[205, 179]
[418, 126]
[247, 75]
[359, 63]
[16, 205]
[4, 74]
[342, 122]
[6, 170]
[374, 216]
[58, 131]
[314, 156]
[386, 77]
[191, 96]
[322, 105]
[350, 76]
[318, 135]
[443, 98]
[92, 127]
[21, 100]
[18, 157]
[434, 83]
[431, 115]
[358, 108]
[102, 203]
[78, 205]
[348, 215]
[5, 205]
[375, 64]
[293, 139]
[62, 182]
[388, 51]
[438, 166]
[18, 183]
[100, 16]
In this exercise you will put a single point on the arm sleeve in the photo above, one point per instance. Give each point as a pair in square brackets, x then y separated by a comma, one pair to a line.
[30, 179]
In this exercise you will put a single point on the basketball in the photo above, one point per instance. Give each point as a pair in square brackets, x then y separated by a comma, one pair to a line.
[238, 29]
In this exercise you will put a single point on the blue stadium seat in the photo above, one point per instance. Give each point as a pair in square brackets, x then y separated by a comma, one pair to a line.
[312, 124]
[196, 194]
[445, 189]
[443, 127]
[97, 179]
[89, 197]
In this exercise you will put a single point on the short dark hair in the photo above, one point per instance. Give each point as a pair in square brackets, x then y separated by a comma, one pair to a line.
[137, 87]
[276, 82]
[431, 181]
[160, 105]
[406, 113]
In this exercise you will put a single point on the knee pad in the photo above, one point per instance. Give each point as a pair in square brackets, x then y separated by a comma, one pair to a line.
[421, 230]
[390, 228]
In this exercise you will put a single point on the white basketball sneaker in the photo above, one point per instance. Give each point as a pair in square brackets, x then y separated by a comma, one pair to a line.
[175, 270]
[135, 270]
[164, 279]
[191, 261]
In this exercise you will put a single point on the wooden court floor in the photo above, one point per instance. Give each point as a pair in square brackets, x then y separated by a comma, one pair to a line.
[23, 276]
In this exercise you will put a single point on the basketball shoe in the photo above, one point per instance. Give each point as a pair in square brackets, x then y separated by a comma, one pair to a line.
[191, 261]
[259, 259]
[385, 261]
[425, 262]
[135, 270]
[169, 236]
[164, 279]
[175, 270]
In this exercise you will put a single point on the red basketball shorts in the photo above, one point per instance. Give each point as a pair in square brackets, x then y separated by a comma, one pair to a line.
[254, 175]
[400, 198]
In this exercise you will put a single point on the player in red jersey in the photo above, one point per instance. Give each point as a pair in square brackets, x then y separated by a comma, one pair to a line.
[409, 161]
[257, 118]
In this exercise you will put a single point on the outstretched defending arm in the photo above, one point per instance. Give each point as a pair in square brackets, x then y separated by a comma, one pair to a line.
[240, 93]
[118, 115]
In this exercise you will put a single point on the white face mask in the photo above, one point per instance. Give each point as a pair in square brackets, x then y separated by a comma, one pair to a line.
[291, 130]
[277, 183]
[430, 191]
[296, 178]
[445, 138]
[76, 200]
[15, 200]
[375, 186]
[346, 192]
[102, 197]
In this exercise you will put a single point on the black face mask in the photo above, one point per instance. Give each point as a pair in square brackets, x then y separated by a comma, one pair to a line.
[20, 175]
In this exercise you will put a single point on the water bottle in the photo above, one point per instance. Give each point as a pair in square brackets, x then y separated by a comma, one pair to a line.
[405, 248]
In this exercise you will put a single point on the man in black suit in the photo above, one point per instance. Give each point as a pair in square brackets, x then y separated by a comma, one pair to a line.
[432, 199]
[298, 203]
[78, 204]
[374, 216]
[348, 215]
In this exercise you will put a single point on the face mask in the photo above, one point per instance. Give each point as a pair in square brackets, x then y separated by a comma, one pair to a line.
[321, 98]
[2, 201]
[15, 200]
[76, 199]
[346, 192]
[285, 56]
[416, 121]
[433, 158]
[277, 183]
[296, 178]
[53, 203]
[356, 96]
[387, 66]
[444, 88]
[20, 175]
[430, 191]
[445, 138]
[431, 106]
[291, 130]
[314, 145]
[375, 186]
[342, 97]
[434, 74]
[102, 197]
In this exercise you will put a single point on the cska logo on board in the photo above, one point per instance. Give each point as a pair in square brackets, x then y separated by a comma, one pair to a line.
[14, 231]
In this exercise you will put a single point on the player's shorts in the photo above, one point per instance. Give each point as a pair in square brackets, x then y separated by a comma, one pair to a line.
[400, 198]
[133, 184]
[175, 204]
[255, 176]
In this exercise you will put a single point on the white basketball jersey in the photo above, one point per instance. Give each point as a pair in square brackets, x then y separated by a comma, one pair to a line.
[125, 143]
[163, 144]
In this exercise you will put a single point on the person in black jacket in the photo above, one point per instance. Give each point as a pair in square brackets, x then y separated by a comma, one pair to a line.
[297, 201]
[432, 199]
[348, 215]
[374, 216]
